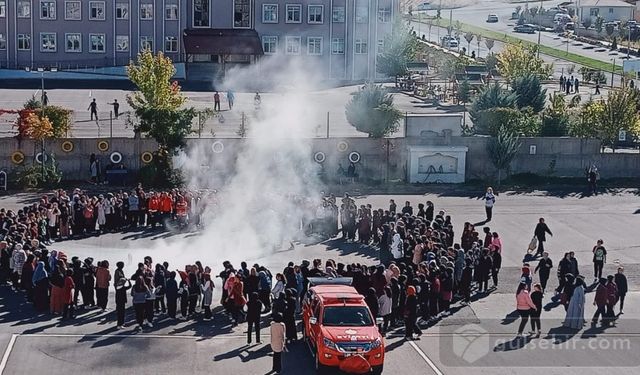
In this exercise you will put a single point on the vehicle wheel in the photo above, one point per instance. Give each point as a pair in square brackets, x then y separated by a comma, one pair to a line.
[320, 368]
[377, 370]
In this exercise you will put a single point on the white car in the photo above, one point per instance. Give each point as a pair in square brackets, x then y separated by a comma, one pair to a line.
[424, 6]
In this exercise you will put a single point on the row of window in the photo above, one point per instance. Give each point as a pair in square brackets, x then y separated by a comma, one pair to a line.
[97, 10]
[97, 42]
[270, 13]
[315, 14]
[314, 45]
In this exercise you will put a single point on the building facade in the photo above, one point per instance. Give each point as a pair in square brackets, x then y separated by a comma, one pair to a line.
[342, 37]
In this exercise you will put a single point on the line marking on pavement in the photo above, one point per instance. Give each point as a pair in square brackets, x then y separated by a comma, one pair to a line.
[7, 352]
[126, 335]
[435, 368]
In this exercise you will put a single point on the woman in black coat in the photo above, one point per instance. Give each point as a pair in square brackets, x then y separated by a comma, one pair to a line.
[254, 307]
[290, 315]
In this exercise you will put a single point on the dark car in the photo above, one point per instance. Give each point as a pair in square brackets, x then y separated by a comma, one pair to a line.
[492, 18]
[526, 29]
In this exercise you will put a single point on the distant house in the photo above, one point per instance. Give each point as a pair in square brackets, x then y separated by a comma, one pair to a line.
[609, 10]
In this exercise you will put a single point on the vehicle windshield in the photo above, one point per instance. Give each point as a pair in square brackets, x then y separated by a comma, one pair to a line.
[352, 316]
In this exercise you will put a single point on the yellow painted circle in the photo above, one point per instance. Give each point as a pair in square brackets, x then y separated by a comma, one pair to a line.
[103, 146]
[67, 146]
[146, 157]
[17, 157]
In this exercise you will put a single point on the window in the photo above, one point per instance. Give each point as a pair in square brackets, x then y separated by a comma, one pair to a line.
[337, 15]
[74, 42]
[146, 11]
[269, 13]
[73, 10]
[146, 43]
[337, 46]
[96, 43]
[3, 10]
[384, 14]
[122, 43]
[343, 316]
[47, 10]
[593, 12]
[24, 10]
[171, 12]
[315, 14]
[171, 44]
[47, 42]
[610, 10]
[314, 45]
[96, 11]
[361, 46]
[200, 13]
[380, 46]
[3, 42]
[24, 42]
[270, 44]
[294, 13]
[293, 45]
[241, 13]
[122, 11]
[362, 14]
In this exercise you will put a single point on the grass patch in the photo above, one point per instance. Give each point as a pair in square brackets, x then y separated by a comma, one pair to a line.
[549, 51]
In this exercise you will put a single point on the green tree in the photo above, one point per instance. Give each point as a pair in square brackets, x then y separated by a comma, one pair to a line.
[620, 112]
[521, 123]
[586, 22]
[157, 105]
[555, 120]
[609, 28]
[371, 111]
[464, 95]
[515, 60]
[598, 24]
[491, 96]
[489, 44]
[502, 149]
[587, 122]
[469, 38]
[529, 92]
[399, 49]
[491, 61]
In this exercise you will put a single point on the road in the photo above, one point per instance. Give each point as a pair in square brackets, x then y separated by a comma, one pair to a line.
[30, 342]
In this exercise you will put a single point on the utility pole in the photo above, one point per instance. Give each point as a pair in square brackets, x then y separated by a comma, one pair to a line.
[42, 96]
[539, 24]
[613, 69]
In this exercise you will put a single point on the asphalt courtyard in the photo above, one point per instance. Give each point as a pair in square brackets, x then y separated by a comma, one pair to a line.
[475, 339]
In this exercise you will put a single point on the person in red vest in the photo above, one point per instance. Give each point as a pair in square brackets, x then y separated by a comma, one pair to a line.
[166, 207]
[154, 207]
[181, 211]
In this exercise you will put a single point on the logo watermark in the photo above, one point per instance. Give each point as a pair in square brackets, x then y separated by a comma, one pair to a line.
[495, 343]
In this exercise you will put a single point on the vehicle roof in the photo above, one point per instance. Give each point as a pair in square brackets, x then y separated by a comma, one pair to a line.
[337, 294]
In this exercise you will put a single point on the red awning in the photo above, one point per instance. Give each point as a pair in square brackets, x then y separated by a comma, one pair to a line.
[222, 42]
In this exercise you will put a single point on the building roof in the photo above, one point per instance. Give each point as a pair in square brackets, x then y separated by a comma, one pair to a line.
[222, 42]
[605, 4]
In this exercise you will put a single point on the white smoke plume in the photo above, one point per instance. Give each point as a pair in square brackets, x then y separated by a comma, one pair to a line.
[269, 184]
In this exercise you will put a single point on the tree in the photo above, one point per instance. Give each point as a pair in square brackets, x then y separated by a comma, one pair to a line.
[399, 49]
[489, 44]
[515, 60]
[587, 123]
[371, 111]
[598, 24]
[491, 61]
[586, 22]
[614, 44]
[478, 40]
[491, 96]
[609, 28]
[555, 120]
[464, 95]
[469, 38]
[529, 92]
[157, 105]
[620, 112]
[502, 149]
[522, 123]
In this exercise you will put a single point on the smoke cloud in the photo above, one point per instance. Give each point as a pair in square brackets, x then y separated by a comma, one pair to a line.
[266, 183]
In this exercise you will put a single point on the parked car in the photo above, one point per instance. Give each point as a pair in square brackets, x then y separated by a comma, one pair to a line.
[424, 6]
[449, 41]
[570, 26]
[492, 18]
[560, 17]
[526, 29]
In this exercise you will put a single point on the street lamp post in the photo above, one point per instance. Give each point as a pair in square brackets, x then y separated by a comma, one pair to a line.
[540, 26]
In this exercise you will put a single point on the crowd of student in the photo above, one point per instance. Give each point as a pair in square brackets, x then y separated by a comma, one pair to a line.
[423, 268]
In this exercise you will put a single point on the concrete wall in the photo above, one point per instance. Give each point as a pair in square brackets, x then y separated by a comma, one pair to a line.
[379, 159]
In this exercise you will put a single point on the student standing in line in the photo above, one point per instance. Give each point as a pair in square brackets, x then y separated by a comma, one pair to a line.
[121, 285]
[536, 297]
[254, 308]
[621, 281]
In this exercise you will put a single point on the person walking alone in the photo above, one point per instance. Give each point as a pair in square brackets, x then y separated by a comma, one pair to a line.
[216, 102]
[93, 108]
[277, 342]
[489, 201]
[524, 305]
[599, 259]
[231, 98]
[540, 232]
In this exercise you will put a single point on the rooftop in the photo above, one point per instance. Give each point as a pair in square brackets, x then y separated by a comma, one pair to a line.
[605, 3]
